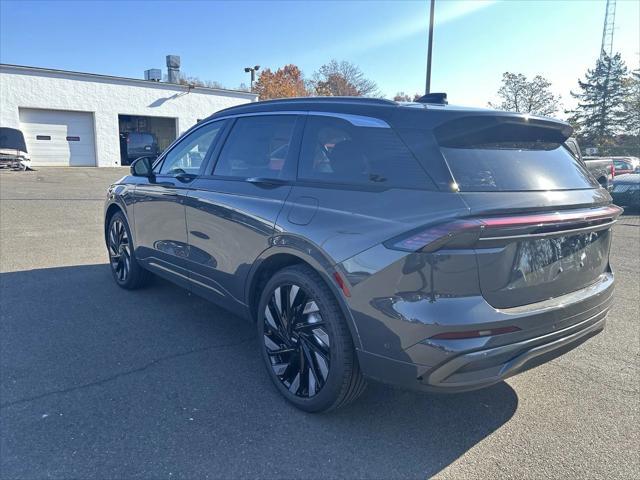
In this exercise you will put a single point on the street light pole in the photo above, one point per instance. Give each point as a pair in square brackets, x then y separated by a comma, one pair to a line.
[428, 86]
[253, 71]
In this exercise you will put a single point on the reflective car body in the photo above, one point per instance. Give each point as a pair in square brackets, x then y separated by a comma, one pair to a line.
[452, 277]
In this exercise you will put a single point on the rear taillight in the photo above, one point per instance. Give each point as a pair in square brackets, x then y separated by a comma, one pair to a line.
[466, 232]
[613, 170]
[437, 236]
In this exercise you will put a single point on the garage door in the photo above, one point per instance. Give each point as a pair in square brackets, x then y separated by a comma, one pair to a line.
[58, 137]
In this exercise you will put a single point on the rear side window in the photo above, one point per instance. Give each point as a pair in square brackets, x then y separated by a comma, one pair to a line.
[336, 151]
[488, 154]
[258, 147]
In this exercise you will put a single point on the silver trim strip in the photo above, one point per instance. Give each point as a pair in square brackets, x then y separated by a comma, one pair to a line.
[188, 279]
[355, 120]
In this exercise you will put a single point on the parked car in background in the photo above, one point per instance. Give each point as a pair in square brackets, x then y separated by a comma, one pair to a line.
[635, 161]
[13, 149]
[137, 144]
[433, 247]
[623, 166]
[602, 169]
[626, 190]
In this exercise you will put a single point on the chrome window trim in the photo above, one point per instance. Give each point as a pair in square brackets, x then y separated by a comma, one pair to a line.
[355, 120]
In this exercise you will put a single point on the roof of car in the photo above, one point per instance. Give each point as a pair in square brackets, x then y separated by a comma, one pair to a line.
[379, 107]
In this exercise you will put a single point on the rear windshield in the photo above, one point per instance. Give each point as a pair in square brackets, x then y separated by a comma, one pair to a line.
[500, 167]
[511, 154]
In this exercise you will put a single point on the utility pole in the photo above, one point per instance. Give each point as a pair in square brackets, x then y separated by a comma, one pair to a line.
[430, 48]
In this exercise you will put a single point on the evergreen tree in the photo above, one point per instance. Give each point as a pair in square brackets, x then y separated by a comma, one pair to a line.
[600, 114]
[632, 105]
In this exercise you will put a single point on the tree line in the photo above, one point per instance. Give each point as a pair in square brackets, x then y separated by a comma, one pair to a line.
[607, 115]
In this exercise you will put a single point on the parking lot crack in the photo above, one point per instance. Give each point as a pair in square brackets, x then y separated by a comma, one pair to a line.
[126, 373]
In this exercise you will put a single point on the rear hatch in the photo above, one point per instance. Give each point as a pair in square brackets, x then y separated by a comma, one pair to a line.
[543, 224]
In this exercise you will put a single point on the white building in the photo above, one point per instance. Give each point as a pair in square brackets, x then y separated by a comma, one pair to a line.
[81, 119]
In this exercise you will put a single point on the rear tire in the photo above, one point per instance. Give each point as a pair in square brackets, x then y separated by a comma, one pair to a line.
[305, 342]
[125, 269]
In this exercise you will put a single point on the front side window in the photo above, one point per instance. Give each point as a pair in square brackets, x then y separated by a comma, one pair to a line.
[336, 151]
[188, 155]
[258, 147]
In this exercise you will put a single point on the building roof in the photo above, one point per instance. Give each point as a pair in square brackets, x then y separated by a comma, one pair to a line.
[95, 77]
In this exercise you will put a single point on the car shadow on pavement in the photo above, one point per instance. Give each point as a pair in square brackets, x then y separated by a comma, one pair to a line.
[98, 382]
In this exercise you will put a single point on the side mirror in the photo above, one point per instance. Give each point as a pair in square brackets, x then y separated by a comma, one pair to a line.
[142, 167]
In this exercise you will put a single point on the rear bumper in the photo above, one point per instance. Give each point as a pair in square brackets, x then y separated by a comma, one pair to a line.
[486, 367]
[463, 365]
[481, 368]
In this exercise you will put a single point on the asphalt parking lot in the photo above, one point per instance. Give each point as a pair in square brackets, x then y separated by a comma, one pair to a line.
[98, 382]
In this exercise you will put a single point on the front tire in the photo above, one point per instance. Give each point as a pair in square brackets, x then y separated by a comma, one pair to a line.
[125, 269]
[305, 342]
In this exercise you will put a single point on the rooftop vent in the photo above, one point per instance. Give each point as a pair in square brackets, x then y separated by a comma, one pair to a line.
[153, 74]
[173, 68]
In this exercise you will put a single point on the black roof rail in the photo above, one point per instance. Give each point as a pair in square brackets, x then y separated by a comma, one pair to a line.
[330, 99]
[437, 98]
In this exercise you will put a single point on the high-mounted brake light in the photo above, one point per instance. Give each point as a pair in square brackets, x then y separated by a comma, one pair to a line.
[464, 233]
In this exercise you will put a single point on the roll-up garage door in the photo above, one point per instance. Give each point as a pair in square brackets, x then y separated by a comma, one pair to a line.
[59, 137]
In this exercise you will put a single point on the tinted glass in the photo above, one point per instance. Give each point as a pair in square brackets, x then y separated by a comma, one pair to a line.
[621, 165]
[188, 154]
[517, 166]
[336, 151]
[258, 147]
[141, 139]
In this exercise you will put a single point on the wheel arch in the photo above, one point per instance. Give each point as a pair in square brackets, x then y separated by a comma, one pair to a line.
[116, 204]
[111, 210]
[277, 258]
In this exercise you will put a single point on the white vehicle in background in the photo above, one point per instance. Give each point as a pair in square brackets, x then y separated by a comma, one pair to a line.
[13, 150]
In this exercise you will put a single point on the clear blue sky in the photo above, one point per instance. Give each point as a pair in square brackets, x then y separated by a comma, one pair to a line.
[475, 42]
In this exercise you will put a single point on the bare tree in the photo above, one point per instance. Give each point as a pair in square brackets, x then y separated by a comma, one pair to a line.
[342, 79]
[402, 97]
[184, 79]
[518, 94]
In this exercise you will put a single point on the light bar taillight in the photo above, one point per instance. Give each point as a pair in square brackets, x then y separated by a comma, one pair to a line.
[465, 232]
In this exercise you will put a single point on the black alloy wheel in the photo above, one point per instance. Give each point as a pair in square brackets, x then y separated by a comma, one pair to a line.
[306, 342]
[297, 341]
[126, 270]
[119, 250]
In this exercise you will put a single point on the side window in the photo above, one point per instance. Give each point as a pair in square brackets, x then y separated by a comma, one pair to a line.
[336, 151]
[187, 155]
[258, 147]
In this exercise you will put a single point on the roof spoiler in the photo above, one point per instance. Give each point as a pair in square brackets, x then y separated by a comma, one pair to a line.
[437, 98]
[474, 130]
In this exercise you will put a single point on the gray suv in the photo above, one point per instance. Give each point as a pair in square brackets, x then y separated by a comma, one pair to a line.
[424, 245]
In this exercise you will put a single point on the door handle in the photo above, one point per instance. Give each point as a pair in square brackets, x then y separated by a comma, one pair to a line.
[267, 182]
[185, 177]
